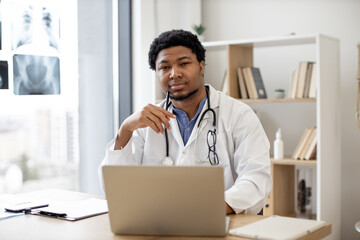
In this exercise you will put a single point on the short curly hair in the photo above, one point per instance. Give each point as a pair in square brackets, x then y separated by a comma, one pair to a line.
[175, 38]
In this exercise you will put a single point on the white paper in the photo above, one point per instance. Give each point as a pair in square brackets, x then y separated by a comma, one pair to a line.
[277, 227]
[78, 209]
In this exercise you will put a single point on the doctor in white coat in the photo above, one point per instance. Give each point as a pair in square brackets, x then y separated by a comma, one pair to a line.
[201, 126]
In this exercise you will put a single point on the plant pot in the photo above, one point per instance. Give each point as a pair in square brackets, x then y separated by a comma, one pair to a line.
[279, 95]
[201, 38]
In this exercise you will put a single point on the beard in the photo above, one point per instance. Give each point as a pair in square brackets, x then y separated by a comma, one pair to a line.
[182, 98]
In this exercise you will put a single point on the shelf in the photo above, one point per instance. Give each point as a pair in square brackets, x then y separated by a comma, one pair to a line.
[270, 41]
[289, 161]
[276, 100]
[293, 214]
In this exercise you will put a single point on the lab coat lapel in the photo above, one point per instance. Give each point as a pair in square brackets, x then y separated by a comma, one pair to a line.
[175, 132]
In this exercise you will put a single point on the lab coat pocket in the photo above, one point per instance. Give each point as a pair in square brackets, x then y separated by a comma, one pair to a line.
[201, 154]
[204, 151]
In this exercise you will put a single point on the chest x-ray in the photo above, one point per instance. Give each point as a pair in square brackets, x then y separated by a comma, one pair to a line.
[35, 26]
[35, 37]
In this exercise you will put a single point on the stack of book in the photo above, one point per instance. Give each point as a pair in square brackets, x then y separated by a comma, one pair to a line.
[306, 148]
[251, 85]
[303, 81]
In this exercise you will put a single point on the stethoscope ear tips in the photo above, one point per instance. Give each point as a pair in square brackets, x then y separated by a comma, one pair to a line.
[168, 161]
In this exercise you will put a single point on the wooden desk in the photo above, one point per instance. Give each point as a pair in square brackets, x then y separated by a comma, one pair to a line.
[38, 227]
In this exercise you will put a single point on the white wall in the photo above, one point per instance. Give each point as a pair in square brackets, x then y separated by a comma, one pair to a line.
[95, 88]
[239, 19]
[149, 19]
[249, 19]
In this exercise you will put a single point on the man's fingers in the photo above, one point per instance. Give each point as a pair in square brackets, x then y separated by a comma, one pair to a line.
[167, 113]
[162, 116]
[151, 124]
[158, 110]
[162, 119]
[152, 118]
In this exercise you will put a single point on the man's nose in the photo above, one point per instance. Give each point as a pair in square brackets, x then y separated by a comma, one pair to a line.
[175, 73]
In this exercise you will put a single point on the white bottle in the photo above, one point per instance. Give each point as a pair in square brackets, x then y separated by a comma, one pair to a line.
[278, 146]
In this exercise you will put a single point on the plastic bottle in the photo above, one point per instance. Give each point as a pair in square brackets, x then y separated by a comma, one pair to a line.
[278, 146]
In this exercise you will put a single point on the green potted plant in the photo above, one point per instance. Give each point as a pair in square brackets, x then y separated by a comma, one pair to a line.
[199, 29]
[279, 93]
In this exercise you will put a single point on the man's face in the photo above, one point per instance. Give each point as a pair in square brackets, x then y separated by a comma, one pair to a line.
[179, 72]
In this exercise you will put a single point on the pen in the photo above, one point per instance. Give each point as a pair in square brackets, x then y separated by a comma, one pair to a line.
[51, 214]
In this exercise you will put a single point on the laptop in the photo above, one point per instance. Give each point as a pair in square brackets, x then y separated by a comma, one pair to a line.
[166, 200]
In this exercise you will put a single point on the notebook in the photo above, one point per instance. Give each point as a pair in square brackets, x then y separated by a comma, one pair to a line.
[166, 200]
[277, 227]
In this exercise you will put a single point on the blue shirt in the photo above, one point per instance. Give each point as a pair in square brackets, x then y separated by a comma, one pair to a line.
[186, 126]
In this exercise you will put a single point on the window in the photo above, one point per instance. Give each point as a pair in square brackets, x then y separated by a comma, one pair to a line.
[39, 144]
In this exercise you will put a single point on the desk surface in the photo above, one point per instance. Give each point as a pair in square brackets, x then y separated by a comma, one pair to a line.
[38, 227]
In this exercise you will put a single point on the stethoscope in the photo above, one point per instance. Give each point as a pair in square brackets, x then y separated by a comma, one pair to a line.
[167, 160]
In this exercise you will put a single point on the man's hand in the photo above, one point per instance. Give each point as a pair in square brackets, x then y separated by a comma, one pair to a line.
[150, 116]
[229, 210]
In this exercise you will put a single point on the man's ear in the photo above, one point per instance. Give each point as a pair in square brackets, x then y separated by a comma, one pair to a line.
[202, 68]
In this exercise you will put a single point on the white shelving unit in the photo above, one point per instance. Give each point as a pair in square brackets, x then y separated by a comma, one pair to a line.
[324, 111]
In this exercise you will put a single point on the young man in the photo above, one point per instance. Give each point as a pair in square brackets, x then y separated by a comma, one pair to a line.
[196, 125]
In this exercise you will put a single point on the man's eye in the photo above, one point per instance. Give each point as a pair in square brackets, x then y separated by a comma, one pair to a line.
[164, 67]
[184, 63]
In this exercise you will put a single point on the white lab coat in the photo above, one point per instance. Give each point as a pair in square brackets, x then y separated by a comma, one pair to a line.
[242, 147]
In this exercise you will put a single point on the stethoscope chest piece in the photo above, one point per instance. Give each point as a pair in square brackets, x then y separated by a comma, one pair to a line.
[168, 161]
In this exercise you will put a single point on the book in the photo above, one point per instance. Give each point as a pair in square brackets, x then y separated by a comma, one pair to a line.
[308, 80]
[225, 84]
[278, 227]
[250, 83]
[301, 143]
[311, 151]
[305, 148]
[259, 83]
[301, 79]
[293, 84]
[242, 85]
[313, 82]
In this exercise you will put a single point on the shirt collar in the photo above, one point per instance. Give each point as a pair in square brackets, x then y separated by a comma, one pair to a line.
[182, 116]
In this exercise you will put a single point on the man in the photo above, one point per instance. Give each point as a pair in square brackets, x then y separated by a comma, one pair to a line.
[201, 129]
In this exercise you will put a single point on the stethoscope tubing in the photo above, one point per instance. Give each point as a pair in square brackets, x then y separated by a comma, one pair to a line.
[209, 109]
[166, 133]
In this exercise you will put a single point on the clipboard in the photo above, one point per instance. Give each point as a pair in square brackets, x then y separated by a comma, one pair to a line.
[74, 210]
[278, 227]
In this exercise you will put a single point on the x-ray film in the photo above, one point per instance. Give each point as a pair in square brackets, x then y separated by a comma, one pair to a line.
[36, 75]
[4, 79]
